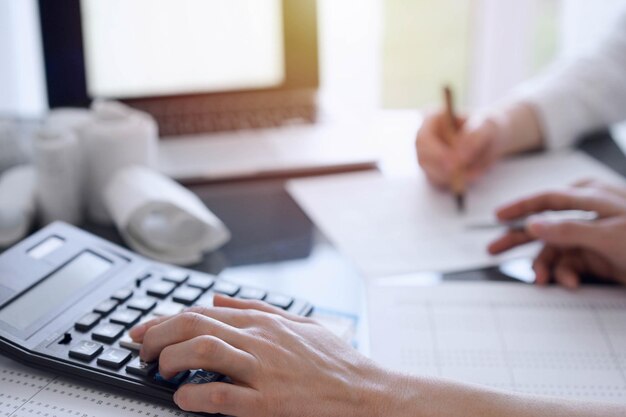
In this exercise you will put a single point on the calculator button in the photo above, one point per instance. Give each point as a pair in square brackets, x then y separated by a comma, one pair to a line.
[143, 304]
[125, 317]
[105, 307]
[122, 295]
[161, 289]
[173, 382]
[251, 294]
[114, 358]
[168, 308]
[278, 300]
[87, 322]
[203, 282]
[202, 377]
[186, 295]
[107, 332]
[141, 368]
[128, 343]
[226, 288]
[85, 350]
[176, 276]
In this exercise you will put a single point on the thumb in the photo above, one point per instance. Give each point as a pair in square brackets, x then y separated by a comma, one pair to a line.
[567, 234]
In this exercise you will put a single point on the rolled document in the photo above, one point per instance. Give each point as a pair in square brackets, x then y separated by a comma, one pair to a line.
[117, 137]
[59, 177]
[161, 219]
[67, 118]
[13, 149]
[17, 203]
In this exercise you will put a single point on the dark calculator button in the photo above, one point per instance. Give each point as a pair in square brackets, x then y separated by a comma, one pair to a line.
[125, 317]
[278, 300]
[226, 288]
[107, 332]
[85, 350]
[122, 295]
[176, 276]
[114, 358]
[105, 307]
[202, 377]
[173, 382]
[203, 282]
[161, 289]
[186, 295]
[141, 368]
[143, 304]
[87, 322]
[251, 294]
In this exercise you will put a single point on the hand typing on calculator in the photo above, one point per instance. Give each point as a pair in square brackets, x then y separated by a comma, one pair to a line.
[278, 363]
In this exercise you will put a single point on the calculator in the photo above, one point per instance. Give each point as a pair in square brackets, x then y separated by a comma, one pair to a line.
[67, 299]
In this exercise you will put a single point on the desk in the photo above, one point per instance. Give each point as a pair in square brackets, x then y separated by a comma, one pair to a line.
[275, 245]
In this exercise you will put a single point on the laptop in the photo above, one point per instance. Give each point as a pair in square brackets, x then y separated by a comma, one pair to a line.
[233, 85]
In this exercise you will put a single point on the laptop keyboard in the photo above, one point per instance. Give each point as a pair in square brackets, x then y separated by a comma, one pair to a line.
[100, 337]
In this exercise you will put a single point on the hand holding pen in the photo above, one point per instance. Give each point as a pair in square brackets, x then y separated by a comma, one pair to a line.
[572, 248]
[475, 147]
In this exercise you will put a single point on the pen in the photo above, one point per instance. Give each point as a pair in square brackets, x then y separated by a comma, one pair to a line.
[458, 181]
[552, 216]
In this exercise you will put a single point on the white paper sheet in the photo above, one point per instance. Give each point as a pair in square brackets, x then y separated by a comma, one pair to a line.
[546, 341]
[392, 226]
[28, 392]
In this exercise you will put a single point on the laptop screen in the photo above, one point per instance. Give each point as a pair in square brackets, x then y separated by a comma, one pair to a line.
[168, 49]
[145, 48]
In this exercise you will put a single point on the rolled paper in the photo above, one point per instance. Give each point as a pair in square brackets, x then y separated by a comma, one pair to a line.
[17, 194]
[13, 147]
[59, 177]
[161, 219]
[116, 137]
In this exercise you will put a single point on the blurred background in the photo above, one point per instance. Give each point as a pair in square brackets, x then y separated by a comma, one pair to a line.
[376, 53]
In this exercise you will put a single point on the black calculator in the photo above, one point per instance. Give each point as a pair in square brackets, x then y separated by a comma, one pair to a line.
[67, 299]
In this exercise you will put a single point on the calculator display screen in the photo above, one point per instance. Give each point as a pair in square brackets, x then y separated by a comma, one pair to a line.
[53, 291]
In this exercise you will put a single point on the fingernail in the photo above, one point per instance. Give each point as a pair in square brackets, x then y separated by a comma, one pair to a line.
[176, 397]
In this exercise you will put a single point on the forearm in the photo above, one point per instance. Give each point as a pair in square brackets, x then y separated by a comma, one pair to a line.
[423, 397]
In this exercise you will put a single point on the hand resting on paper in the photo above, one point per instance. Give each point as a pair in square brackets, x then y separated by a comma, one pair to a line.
[572, 249]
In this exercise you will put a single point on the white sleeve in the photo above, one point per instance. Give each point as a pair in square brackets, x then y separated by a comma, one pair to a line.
[581, 95]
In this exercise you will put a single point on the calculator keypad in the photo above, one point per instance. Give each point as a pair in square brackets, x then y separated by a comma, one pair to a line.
[154, 295]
